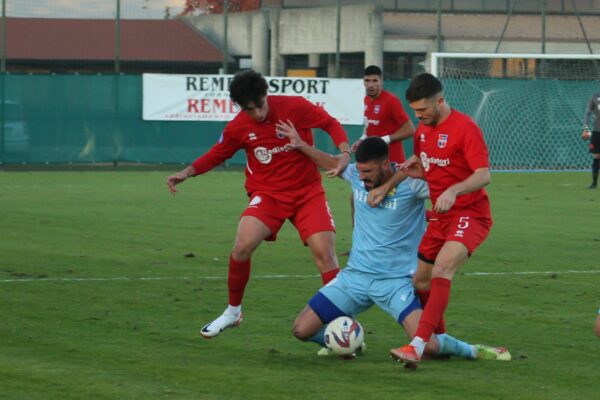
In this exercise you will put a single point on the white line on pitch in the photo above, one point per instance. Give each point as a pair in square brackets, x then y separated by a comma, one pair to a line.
[156, 278]
[213, 278]
[532, 272]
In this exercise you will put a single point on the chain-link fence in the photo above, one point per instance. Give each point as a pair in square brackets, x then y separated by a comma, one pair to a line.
[71, 84]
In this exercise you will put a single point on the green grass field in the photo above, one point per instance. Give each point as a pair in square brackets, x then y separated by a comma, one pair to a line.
[99, 301]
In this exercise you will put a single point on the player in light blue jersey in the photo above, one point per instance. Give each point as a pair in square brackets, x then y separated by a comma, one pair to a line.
[385, 238]
[383, 255]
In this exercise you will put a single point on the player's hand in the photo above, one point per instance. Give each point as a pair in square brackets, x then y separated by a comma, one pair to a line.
[586, 134]
[376, 195]
[176, 179]
[445, 202]
[287, 129]
[343, 161]
[413, 168]
[355, 145]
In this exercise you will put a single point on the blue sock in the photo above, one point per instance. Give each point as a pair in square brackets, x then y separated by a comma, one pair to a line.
[452, 346]
[319, 337]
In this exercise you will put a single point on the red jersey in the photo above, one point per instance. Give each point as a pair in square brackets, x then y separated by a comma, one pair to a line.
[450, 152]
[384, 116]
[270, 166]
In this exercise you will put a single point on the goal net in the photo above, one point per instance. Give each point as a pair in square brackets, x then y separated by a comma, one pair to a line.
[529, 106]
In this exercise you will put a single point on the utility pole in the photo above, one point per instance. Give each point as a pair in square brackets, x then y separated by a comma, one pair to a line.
[225, 39]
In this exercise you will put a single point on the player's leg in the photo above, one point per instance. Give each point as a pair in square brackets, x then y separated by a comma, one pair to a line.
[322, 247]
[261, 220]
[397, 297]
[422, 283]
[432, 242]
[314, 222]
[451, 257]
[309, 327]
[251, 232]
[463, 235]
[438, 344]
[342, 296]
[594, 148]
[446, 345]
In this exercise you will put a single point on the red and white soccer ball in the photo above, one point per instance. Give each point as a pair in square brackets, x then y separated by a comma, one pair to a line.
[344, 335]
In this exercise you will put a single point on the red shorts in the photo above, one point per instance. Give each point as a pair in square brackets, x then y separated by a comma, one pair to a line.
[306, 208]
[468, 230]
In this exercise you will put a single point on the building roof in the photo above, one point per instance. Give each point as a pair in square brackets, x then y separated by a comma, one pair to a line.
[94, 40]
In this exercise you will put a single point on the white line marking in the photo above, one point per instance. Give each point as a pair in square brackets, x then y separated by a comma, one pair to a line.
[570, 271]
[156, 278]
[219, 278]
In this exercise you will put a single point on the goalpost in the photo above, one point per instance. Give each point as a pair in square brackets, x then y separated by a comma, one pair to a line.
[529, 106]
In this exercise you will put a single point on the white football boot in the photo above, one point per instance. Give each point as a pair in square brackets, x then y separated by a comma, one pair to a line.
[226, 320]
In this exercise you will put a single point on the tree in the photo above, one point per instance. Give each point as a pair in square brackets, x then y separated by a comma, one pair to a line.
[216, 6]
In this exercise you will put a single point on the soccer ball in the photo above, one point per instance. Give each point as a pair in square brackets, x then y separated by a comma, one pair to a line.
[344, 335]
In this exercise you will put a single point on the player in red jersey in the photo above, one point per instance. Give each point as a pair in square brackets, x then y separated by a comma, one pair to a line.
[384, 115]
[451, 154]
[281, 183]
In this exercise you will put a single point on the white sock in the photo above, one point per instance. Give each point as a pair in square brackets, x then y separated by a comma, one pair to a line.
[235, 310]
[473, 351]
[419, 345]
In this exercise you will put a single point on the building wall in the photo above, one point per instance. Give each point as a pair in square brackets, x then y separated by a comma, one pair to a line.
[270, 34]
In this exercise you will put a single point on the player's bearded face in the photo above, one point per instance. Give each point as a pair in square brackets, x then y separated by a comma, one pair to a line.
[257, 111]
[371, 174]
[373, 85]
[428, 110]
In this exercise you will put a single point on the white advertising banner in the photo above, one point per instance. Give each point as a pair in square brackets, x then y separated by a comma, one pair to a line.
[206, 97]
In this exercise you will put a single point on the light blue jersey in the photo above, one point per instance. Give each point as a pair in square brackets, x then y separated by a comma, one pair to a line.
[385, 239]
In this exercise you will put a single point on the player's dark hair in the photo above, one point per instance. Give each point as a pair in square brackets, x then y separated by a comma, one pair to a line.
[373, 70]
[248, 87]
[372, 148]
[423, 86]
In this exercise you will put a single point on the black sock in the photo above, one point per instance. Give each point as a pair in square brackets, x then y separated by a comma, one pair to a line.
[595, 168]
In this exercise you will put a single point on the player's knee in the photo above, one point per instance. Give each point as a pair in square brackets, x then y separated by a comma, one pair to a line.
[326, 260]
[443, 270]
[242, 251]
[300, 332]
[421, 283]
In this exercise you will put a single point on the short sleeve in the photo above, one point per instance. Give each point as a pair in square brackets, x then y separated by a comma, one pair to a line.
[398, 114]
[474, 148]
[418, 186]
[349, 173]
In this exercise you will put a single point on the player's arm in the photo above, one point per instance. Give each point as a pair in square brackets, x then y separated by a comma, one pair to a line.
[377, 195]
[406, 128]
[586, 134]
[413, 167]
[322, 159]
[477, 180]
[223, 150]
[406, 131]
[313, 116]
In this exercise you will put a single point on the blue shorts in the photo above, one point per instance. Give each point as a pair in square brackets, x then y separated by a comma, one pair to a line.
[353, 292]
